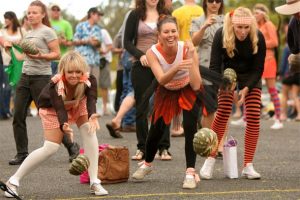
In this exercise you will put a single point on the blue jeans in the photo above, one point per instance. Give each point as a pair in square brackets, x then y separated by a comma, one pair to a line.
[54, 66]
[284, 65]
[129, 118]
[5, 93]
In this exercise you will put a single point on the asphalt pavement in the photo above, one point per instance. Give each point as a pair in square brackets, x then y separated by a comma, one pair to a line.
[277, 159]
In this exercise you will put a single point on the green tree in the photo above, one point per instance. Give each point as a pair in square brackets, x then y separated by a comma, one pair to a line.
[114, 14]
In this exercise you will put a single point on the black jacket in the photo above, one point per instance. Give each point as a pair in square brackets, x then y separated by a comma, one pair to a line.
[49, 99]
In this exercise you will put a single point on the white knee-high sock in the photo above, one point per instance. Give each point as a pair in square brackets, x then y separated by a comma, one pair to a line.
[90, 145]
[34, 159]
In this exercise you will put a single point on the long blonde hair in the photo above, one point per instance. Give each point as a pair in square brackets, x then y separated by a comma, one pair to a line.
[73, 61]
[228, 32]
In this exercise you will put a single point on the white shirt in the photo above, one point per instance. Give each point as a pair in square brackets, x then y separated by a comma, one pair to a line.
[106, 40]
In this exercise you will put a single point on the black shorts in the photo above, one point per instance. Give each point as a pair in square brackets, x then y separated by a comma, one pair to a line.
[209, 99]
[292, 79]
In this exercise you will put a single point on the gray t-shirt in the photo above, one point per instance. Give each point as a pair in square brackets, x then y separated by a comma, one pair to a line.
[40, 37]
[206, 42]
[204, 49]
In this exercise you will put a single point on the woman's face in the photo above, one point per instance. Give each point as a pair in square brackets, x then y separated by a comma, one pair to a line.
[7, 22]
[151, 3]
[213, 7]
[35, 15]
[241, 31]
[168, 35]
[73, 77]
[258, 16]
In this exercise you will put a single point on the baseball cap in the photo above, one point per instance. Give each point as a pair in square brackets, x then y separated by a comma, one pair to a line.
[54, 5]
[95, 10]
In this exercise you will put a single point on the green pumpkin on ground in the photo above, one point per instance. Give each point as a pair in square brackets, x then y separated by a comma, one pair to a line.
[205, 142]
[80, 164]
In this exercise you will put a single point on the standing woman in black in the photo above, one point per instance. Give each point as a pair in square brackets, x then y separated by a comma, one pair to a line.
[241, 46]
[140, 35]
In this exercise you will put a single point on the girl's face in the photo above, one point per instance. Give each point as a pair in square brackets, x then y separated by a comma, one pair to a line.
[213, 7]
[151, 3]
[241, 31]
[35, 15]
[168, 35]
[73, 76]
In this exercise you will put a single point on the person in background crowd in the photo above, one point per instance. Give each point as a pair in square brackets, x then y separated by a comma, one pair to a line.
[25, 23]
[241, 46]
[293, 80]
[268, 29]
[184, 16]
[118, 50]
[36, 73]
[64, 32]
[69, 98]
[106, 59]
[87, 40]
[284, 64]
[176, 68]
[12, 33]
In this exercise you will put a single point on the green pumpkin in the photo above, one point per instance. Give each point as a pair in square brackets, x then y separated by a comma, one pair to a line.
[205, 142]
[230, 74]
[28, 47]
[80, 164]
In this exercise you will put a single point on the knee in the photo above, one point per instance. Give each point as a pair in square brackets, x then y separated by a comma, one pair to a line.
[50, 148]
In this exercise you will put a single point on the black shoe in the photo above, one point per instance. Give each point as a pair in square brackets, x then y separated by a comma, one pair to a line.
[18, 159]
[73, 151]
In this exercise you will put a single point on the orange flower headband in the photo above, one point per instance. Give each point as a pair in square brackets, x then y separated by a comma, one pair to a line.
[240, 19]
[59, 80]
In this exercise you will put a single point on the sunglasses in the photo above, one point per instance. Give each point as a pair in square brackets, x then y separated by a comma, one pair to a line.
[55, 9]
[212, 1]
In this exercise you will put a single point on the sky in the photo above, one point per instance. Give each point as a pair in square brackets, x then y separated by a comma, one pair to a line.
[78, 8]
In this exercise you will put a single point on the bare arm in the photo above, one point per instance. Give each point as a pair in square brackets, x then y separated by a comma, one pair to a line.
[198, 36]
[162, 77]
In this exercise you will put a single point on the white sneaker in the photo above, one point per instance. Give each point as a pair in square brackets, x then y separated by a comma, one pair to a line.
[249, 172]
[189, 183]
[141, 172]
[12, 188]
[240, 122]
[98, 190]
[206, 171]
[277, 125]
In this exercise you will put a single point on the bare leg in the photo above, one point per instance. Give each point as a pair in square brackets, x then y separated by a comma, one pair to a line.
[126, 105]
[104, 95]
[295, 97]
[284, 98]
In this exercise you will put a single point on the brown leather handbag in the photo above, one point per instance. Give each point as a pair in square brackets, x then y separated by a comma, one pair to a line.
[113, 164]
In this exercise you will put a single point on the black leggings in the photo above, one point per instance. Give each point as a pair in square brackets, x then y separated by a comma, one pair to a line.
[190, 128]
